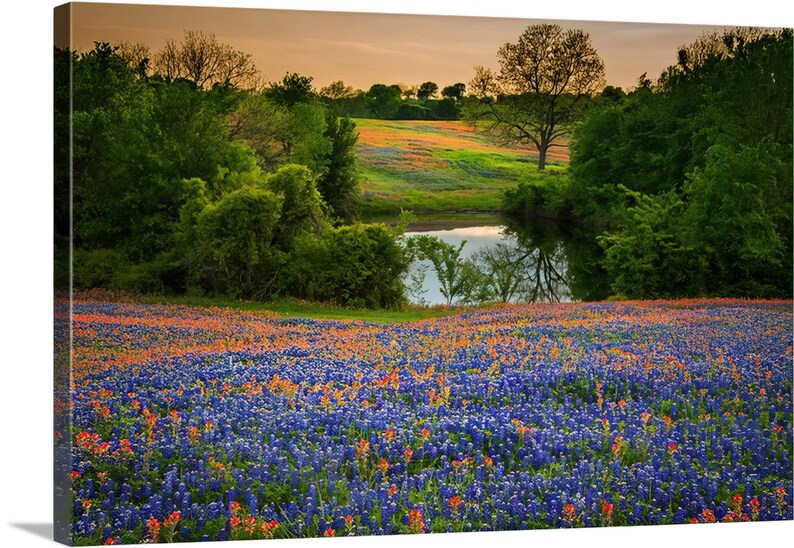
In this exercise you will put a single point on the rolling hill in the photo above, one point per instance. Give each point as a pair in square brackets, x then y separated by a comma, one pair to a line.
[440, 166]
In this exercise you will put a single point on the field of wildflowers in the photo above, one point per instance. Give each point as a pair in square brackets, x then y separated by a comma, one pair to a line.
[441, 166]
[212, 424]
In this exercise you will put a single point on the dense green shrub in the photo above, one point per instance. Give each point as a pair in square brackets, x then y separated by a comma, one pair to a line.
[358, 265]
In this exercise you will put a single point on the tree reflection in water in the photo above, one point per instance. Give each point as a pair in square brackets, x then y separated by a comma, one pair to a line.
[540, 261]
[522, 261]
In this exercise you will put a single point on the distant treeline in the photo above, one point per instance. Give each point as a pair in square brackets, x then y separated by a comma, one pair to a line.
[189, 178]
[396, 101]
[687, 180]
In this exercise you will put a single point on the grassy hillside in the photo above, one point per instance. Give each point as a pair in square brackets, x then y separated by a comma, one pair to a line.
[440, 166]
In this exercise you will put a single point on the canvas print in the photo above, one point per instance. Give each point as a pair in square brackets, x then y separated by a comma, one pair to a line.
[334, 274]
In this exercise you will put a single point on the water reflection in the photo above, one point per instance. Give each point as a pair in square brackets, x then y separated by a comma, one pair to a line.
[525, 261]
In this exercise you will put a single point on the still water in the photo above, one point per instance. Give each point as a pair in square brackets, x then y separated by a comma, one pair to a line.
[534, 257]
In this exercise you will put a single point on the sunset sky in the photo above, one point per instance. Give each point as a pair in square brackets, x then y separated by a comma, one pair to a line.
[364, 49]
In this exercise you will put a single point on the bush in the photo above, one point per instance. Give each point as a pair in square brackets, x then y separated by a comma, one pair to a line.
[543, 198]
[233, 252]
[97, 268]
[358, 265]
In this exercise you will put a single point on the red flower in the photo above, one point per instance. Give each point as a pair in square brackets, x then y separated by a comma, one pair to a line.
[569, 514]
[362, 449]
[454, 503]
[755, 507]
[416, 522]
[671, 447]
[153, 527]
[267, 528]
[329, 532]
[173, 519]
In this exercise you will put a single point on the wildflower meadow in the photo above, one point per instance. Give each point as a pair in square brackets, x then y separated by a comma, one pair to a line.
[210, 424]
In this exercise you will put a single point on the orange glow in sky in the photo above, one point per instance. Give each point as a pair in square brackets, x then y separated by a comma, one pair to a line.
[364, 49]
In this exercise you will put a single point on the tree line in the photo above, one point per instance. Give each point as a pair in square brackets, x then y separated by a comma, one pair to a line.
[687, 181]
[189, 177]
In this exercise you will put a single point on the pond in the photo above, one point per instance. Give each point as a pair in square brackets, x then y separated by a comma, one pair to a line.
[525, 261]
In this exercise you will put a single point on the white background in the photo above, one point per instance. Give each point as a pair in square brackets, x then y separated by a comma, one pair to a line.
[25, 263]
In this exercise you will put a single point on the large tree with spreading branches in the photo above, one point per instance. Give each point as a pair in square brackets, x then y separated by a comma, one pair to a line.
[543, 83]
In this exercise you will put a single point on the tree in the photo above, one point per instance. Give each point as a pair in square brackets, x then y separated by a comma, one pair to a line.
[233, 243]
[302, 209]
[281, 134]
[738, 219]
[356, 265]
[455, 91]
[427, 90]
[339, 183]
[543, 82]
[647, 259]
[459, 279]
[204, 61]
[383, 100]
[136, 54]
[408, 92]
[337, 90]
[292, 89]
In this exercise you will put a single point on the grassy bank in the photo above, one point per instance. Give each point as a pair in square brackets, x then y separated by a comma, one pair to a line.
[431, 166]
[290, 308]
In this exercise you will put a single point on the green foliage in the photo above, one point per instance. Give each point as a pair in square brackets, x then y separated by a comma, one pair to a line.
[647, 258]
[135, 143]
[97, 268]
[739, 219]
[460, 281]
[706, 156]
[281, 134]
[427, 90]
[358, 265]
[302, 209]
[543, 196]
[292, 90]
[233, 251]
[383, 100]
[339, 184]
[455, 91]
[445, 109]
[410, 111]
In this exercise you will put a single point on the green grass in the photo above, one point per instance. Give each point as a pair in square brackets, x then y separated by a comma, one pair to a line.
[291, 308]
[440, 167]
